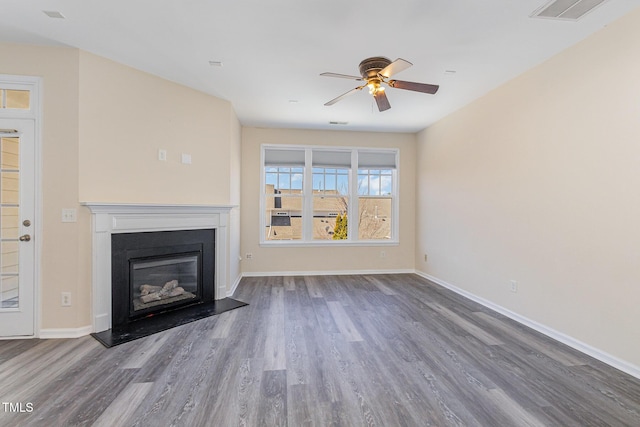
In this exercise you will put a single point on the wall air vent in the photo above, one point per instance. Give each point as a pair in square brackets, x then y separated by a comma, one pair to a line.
[570, 10]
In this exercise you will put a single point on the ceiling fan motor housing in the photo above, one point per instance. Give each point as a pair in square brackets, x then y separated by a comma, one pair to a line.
[370, 67]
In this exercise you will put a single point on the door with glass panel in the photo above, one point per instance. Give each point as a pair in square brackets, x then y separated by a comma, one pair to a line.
[17, 205]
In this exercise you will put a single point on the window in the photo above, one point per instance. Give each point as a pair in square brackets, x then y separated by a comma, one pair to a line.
[322, 195]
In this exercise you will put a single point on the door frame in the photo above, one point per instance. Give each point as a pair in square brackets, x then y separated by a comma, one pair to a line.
[35, 113]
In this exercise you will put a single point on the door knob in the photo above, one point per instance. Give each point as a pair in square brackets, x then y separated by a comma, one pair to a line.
[25, 238]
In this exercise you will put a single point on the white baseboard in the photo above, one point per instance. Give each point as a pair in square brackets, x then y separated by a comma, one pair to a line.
[325, 273]
[598, 354]
[65, 332]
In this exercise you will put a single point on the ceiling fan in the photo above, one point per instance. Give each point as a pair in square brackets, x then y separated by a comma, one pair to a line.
[377, 70]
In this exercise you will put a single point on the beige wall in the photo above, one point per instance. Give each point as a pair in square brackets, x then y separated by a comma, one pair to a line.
[538, 182]
[102, 126]
[321, 259]
[127, 115]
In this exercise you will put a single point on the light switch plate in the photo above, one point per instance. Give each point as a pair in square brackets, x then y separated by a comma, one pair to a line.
[69, 215]
[186, 159]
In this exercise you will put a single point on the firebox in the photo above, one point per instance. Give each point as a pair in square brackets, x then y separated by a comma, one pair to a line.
[156, 272]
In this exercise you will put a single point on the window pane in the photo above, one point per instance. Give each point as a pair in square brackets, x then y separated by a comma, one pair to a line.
[271, 179]
[318, 182]
[330, 183]
[9, 263]
[363, 185]
[385, 185]
[9, 222]
[283, 218]
[374, 220]
[329, 213]
[343, 184]
[296, 181]
[374, 185]
[10, 153]
[10, 188]
[9, 292]
[284, 182]
[18, 99]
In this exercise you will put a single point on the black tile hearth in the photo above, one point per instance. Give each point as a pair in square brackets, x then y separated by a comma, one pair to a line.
[161, 322]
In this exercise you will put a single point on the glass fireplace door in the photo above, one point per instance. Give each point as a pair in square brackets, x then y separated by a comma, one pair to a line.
[163, 281]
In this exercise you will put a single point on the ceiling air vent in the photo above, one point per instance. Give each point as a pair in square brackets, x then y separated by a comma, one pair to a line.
[571, 10]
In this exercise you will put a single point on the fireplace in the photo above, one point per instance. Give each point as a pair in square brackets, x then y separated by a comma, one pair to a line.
[113, 219]
[156, 272]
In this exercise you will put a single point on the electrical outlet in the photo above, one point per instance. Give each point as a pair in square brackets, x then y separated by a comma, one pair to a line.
[514, 286]
[66, 299]
[248, 255]
[383, 254]
[162, 155]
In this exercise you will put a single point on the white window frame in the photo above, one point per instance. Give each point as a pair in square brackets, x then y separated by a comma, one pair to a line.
[353, 206]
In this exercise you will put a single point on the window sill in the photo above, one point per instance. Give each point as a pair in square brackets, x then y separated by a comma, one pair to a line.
[328, 243]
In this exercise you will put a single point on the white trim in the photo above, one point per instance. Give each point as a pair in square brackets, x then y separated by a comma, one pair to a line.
[598, 354]
[38, 111]
[328, 243]
[234, 286]
[114, 218]
[325, 273]
[65, 332]
[156, 208]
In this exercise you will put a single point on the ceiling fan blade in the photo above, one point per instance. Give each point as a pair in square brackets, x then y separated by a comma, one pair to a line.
[334, 100]
[381, 100]
[342, 76]
[417, 87]
[395, 67]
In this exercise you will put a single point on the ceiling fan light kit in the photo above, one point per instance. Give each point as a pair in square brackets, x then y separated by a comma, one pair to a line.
[376, 71]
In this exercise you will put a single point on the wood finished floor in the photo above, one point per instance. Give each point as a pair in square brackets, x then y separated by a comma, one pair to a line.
[384, 350]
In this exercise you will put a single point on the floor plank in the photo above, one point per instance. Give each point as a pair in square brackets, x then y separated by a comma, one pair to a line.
[120, 410]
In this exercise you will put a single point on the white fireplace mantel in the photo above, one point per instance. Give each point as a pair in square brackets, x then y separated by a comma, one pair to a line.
[113, 218]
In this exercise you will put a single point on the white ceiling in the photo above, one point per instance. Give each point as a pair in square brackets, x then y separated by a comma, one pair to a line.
[273, 51]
